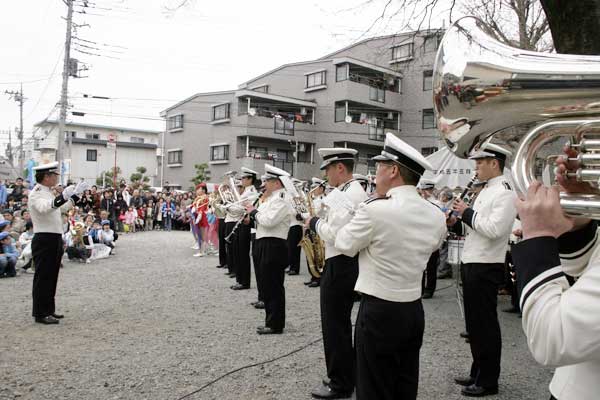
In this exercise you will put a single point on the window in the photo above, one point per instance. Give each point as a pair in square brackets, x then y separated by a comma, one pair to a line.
[376, 94]
[95, 136]
[427, 80]
[258, 152]
[137, 139]
[283, 126]
[340, 112]
[402, 52]
[284, 155]
[175, 157]
[175, 122]
[72, 133]
[427, 151]
[263, 89]
[376, 132]
[91, 155]
[220, 112]
[428, 119]
[219, 153]
[341, 72]
[431, 44]
[316, 79]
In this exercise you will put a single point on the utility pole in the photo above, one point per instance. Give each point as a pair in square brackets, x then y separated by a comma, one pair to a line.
[65, 87]
[18, 97]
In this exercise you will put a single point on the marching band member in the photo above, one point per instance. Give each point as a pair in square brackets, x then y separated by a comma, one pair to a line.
[294, 237]
[388, 233]
[489, 221]
[220, 213]
[429, 282]
[338, 279]
[363, 180]
[47, 243]
[318, 192]
[260, 302]
[558, 274]
[272, 224]
[242, 256]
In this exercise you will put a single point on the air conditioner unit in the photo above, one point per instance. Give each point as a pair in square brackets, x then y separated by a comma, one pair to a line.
[302, 147]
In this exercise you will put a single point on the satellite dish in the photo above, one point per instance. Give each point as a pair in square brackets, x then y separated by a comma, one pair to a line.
[348, 119]
[252, 111]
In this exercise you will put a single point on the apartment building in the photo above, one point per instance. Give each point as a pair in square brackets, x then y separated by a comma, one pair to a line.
[96, 148]
[349, 98]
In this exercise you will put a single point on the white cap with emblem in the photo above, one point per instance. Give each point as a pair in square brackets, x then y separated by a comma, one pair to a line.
[331, 155]
[397, 150]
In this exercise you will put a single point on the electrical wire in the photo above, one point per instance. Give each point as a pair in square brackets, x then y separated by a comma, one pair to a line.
[299, 349]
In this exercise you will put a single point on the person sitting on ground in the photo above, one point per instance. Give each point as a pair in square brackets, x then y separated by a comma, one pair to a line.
[8, 256]
[25, 242]
[77, 244]
[106, 236]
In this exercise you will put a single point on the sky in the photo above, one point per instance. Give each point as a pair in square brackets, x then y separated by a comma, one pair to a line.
[146, 58]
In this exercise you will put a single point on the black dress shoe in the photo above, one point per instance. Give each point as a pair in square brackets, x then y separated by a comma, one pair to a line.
[314, 284]
[478, 391]
[427, 294]
[307, 283]
[47, 320]
[464, 381]
[58, 316]
[259, 305]
[232, 275]
[326, 392]
[221, 266]
[239, 286]
[464, 335]
[265, 330]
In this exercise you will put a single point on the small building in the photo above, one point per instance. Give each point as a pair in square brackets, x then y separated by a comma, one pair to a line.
[98, 148]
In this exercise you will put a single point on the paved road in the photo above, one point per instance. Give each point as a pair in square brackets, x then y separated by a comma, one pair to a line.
[152, 322]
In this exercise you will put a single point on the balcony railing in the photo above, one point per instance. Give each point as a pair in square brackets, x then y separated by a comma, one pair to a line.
[283, 127]
[376, 133]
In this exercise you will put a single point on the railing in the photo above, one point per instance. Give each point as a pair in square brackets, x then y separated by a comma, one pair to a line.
[287, 166]
[283, 127]
[376, 133]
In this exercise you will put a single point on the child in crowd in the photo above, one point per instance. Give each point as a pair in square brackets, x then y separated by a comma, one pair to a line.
[139, 221]
[25, 241]
[122, 225]
[107, 236]
[93, 233]
[77, 243]
[8, 256]
[130, 217]
[149, 216]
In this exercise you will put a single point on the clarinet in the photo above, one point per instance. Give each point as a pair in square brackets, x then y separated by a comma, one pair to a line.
[239, 221]
[467, 189]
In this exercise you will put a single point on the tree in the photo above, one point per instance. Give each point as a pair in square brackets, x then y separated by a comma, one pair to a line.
[106, 178]
[201, 173]
[138, 179]
[575, 25]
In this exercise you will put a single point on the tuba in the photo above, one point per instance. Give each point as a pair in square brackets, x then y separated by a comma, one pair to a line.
[530, 103]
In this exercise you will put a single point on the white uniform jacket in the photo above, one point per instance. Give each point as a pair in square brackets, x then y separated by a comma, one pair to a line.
[489, 223]
[328, 227]
[559, 287]
[395, 237]
[249, 193]
[273, 216]
[46, 210]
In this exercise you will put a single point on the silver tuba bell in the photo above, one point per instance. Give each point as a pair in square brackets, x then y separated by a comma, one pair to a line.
[530, 103]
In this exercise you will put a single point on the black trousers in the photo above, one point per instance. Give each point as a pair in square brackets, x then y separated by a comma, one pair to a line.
[256, 263]
[47, 251]
[388, 340]
[271, 253]
[337, 298]
[480, 291]
[242, 273]
[429, 281]
[230, 248]
[222, 244]
[293, 239]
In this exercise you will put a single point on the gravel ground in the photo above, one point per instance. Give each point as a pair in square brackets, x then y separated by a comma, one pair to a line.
[152, 322]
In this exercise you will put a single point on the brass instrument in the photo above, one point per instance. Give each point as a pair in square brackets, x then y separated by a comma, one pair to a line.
[230, 196]
[311, 243]
[527, 102]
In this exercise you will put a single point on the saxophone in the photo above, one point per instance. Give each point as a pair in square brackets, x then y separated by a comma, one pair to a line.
[313, 246]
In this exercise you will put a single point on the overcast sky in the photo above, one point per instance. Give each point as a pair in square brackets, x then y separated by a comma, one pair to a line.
[150, 59]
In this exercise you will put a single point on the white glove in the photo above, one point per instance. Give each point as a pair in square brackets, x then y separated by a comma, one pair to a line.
[68, 192]
[81, 187]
